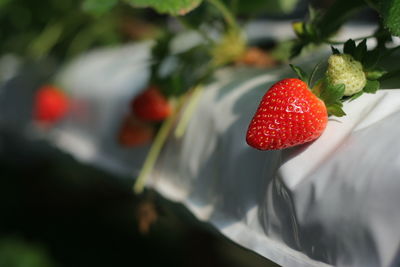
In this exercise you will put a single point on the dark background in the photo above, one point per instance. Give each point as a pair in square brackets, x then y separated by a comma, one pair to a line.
[57, 212]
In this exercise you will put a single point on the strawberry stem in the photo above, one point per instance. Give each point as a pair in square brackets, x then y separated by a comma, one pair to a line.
[155, 149]
[188, 112]
[226, 14]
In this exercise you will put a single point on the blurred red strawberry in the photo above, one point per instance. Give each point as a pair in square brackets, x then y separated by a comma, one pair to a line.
[134, 133]
[51, 104]
[151, 105]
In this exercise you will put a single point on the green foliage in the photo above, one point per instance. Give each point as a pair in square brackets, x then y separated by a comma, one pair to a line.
[4, 2]
[190, 68]
[371, 86]
[355, 96]
[300, 73]
[56, 28]
[172, 7]
[349, 47]
[322, 25]
[360, 51]
[390, 11]
[175, 73]
[336, 110]
[98, 7]
[16, 253]
[332, 95]
[375, 74]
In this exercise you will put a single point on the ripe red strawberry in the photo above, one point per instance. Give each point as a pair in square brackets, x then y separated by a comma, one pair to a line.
[51, 104]
[289, 114]
[134, 133]
[151, 105]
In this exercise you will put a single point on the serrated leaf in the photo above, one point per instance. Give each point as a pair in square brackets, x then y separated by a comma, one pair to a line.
[335, 51]
[390, 10]
[172, 7]
[98, 7]
[300, 73]
[332, 93]
[371, 87]
[361, 50]
[375, 74]
[349, 47]
[336, 110]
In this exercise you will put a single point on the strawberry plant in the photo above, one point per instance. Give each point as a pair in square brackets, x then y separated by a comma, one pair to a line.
[293, 111]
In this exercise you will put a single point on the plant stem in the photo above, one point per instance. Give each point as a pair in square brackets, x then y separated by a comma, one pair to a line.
[226, 13]
[156, 149]
[188, 112]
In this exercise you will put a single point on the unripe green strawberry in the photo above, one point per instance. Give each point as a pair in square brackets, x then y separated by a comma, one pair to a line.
[344, 69]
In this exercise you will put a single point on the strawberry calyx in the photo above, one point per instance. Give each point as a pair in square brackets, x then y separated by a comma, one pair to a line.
[368, 60]
[330, 94]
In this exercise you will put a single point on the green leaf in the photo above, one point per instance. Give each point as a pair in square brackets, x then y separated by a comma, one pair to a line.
[300, 73]
[355, 96]
[330, 93]
[375, 74]
[336, 110]
[4, 2]
[98, 7]
[371, 87]
[349, 47]
[172, 7]
[361, 50]
[390, 10]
